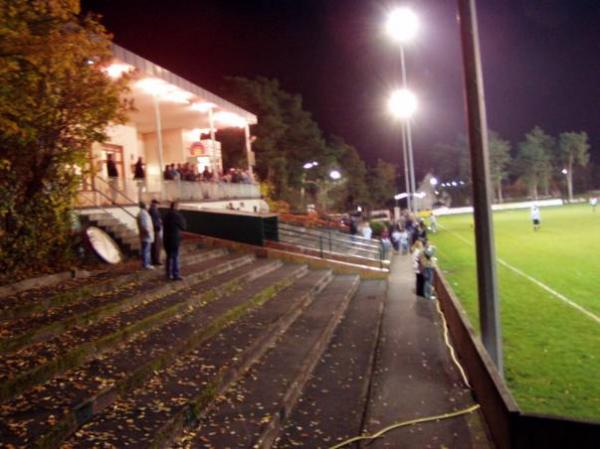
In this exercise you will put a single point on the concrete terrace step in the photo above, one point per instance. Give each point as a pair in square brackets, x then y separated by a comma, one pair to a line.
[332, 405]
[251, 412]
[46, 414]
[25, 305]
[181, 393]
[99, 304]
[69, 349]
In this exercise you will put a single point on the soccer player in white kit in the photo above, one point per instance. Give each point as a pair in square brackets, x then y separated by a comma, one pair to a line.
[535, 217]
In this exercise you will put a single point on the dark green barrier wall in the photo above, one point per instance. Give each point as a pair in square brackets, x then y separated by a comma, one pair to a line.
[237, 226]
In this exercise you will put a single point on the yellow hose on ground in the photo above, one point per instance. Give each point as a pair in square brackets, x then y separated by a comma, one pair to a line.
[378, 434]
[397, 425]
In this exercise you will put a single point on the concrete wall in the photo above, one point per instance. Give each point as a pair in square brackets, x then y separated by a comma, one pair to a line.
[247, 205]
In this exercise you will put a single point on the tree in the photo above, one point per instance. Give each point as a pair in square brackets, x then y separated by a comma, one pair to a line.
[451, 161]
[287, 136]
[54, 103]
[573, 149]
[353, 191]
[499, 159]
[382, 183]
[534, 161]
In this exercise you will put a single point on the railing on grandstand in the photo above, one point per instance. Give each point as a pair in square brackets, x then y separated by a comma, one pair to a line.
[103, 193]
[202, 191]
[331, 241]
[99, 191]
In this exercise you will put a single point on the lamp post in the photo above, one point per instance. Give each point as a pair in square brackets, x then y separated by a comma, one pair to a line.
[402, 104]
[485, 249]
[306, 166]
[402, 26]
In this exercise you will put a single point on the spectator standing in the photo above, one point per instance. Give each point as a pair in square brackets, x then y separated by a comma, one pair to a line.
[404, 241]
[593, 203]
[168, 174]
[427, 262]
[139, 175]
[173, 224]
[146, 231]
[113, 177]
[157, 226]
[353, 227]
[396, 238]
[175, 173]
[421, 231]
[416, 258]
[367, 231]
[386, 243]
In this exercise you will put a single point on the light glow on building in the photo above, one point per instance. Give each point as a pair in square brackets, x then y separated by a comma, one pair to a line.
[163, 90]
[204, 106]
[230, 119]
[116, 70]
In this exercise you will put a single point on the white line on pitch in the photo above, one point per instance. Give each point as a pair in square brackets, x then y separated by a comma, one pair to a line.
[540, 284]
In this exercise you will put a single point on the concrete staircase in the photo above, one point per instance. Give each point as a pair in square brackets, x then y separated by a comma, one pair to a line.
[143, 362]
[120, 226]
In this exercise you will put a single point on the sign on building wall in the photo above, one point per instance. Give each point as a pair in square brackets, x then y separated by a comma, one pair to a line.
[197, 149]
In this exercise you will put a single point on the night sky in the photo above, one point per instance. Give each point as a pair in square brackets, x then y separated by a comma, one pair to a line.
[541, 61]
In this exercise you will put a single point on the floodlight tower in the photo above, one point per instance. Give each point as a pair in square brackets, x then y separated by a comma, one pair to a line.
[402, 26]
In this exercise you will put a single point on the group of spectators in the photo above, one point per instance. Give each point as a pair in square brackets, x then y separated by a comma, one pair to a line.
[157, 231]
[409, 233]
[190, 172]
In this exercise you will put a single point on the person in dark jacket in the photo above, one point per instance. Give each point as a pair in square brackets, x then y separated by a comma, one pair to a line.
[157, 225]
[173, 224]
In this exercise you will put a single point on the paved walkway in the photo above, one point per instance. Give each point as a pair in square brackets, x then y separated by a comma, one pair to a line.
[415, 376]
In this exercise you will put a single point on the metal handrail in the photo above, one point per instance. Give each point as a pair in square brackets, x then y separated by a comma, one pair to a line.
[114, 203]
[320, 231]
[100, 206]
[370, 247]
[111, 187]
[319, 240]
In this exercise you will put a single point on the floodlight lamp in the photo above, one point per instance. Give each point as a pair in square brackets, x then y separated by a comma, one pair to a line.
[454, 183]
[402, 25]
[564, 171]
[433, 182]
[402, 104]
[308, 165]
[335, 175]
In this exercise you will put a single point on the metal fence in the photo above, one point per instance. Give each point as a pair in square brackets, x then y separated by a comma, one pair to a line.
[103, 192]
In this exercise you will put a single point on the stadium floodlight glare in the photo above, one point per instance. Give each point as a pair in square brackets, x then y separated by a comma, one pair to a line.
[433, 182]
[454, 183]
[564, 171]
[402, 104]
[402, 25]
[335, 175]
[310, 165]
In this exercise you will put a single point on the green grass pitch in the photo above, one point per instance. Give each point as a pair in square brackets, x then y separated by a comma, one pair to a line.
[551, 350]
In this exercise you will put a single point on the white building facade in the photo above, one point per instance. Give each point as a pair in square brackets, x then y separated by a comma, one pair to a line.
[174, 122]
